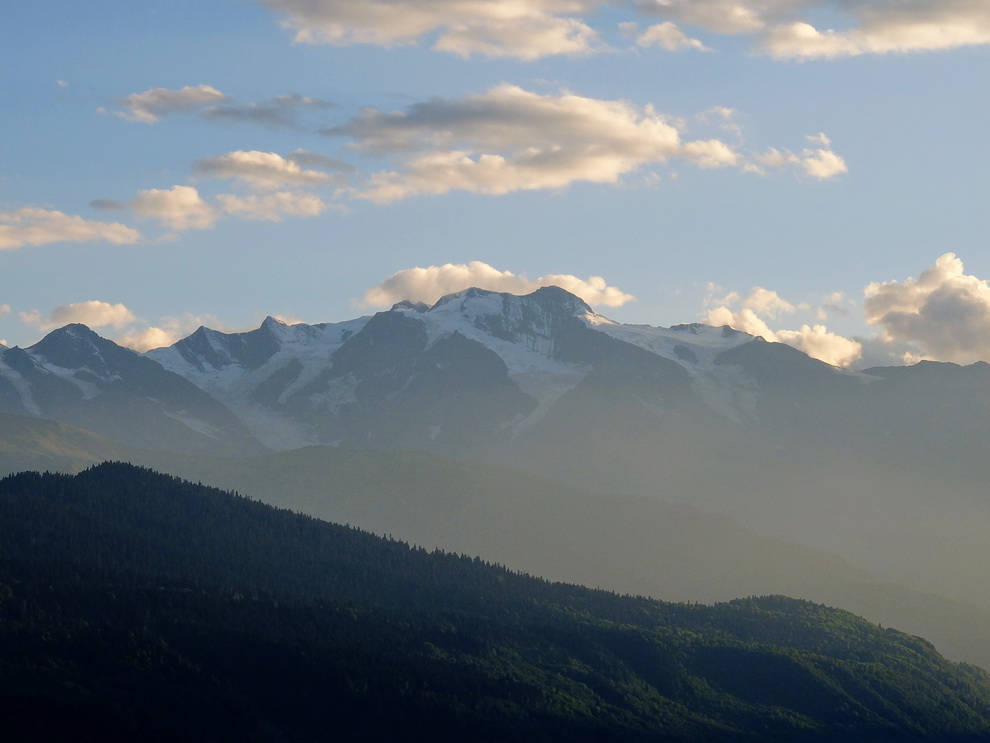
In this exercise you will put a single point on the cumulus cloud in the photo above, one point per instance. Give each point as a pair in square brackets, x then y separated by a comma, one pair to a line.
[93, 313]
[178, 208]
[818, 162]
[885, 26]
[819, 343]
[262, 170]
[33, 226]
[719, 16]
[510, 139]
[669, 36]
[151, 105]
[272, 207]
[781, 28]
[944, 313]
[528, 30]
[785, 28]
[167, 331]
[144, 339]
[750, 315]
[430, 283]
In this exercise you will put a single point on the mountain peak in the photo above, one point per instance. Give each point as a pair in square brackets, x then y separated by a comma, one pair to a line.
[554, 295]
[549, 298]
[463, 295]
[69, 345]
[408, 305]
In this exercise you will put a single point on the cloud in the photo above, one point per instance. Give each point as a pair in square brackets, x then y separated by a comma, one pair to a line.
[783, 29]
[92, 313]
[944, 313]
[509, 139]
[144, 339]
[819, 343]
[108, 205]
[885, 26]
[272, 207]
[430, 283]
[529, 36]
[151, 105]
[815, 340]
[281, 111]
[524, 30]
[305, 158]
[178, 208]
[670, 37]
[718, 16]
[262, 170]
[821, 162]
[33, 226]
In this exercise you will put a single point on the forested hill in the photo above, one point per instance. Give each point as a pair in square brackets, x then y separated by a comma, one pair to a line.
[136, 606]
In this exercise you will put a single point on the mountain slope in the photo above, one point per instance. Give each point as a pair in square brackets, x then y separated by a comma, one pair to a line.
[75, 376]
[618, 542]
[138, 605]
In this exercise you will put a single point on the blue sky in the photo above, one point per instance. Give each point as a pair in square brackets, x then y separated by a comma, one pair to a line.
[811, 170]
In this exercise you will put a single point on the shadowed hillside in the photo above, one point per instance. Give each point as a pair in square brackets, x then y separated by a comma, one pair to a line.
[135, 605]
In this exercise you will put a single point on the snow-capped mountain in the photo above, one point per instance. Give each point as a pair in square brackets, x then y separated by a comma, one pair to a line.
[75, 376]
[540, 379]
[476, 368]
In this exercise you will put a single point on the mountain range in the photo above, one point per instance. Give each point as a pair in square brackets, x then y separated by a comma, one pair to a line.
[884, 467]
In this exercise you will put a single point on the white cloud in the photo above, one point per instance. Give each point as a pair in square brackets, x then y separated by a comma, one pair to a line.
[430, 283]
[745, 320]
[885, 26]
[92, 313]
[530, 30]
[785, 28]
[529, 36]
[525, 30]
[151, 105]
[718, 16]
[821, 163]
[144, 339]
[670, 37]
[33, 226]
[768, 302]
[815, 340]
[944, 313]
[262, 170]
[178, 208]
[819, 343]
[272, 207]
[509, 139]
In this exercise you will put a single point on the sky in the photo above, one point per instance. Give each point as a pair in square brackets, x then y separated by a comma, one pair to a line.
[812, 171]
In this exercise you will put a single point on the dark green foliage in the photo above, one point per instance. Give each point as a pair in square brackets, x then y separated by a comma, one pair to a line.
[136, 606]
